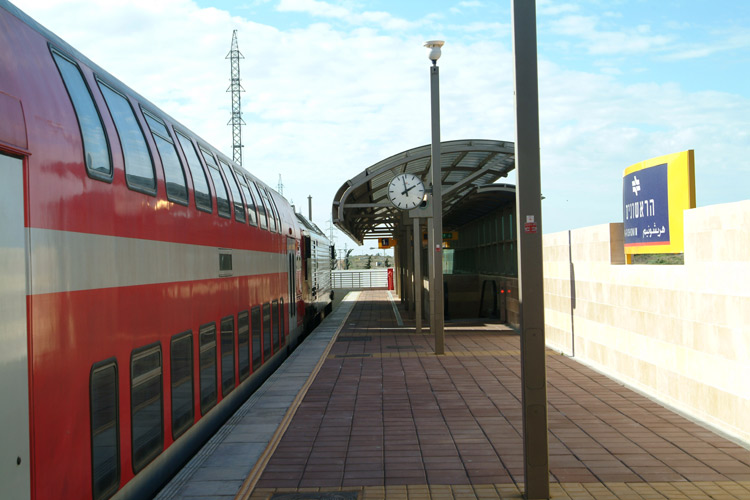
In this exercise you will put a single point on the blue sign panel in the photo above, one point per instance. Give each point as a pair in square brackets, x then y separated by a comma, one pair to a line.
[645, 211]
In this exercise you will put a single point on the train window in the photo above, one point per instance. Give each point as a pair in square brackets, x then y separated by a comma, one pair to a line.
[227, 355]
[255, 325]
[174, 175]
[239, 207]
[269, 210]
[275, 210]
[181, 361]
[266, 331]
[200, 181]
[261, 207]
[243, 345]
[139, 168]
[251, 215]
[95, 146]
[222, 198]
[275, 315]
[208, 391]
[146, 405]
[282, 315]
[105, 430]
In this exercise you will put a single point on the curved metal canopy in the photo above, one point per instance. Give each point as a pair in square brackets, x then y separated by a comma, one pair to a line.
[361, 208]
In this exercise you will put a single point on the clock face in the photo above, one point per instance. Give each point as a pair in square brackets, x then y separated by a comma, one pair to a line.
[406, 191]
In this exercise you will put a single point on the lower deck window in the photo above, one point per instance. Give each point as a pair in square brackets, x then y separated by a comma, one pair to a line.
[255, 325]
[105, 439]
[243, 345]
[181, 353]
[275, 315]
[208, 392]
[227, 355]
[146, 405]
[267, 349]
[282, 322]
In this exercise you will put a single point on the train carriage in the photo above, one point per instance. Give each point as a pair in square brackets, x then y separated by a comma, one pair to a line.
[149, 284]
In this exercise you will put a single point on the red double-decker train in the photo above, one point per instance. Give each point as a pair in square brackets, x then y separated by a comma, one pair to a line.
[148, 283]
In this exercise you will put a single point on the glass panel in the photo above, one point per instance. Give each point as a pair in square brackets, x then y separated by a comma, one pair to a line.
[105, 452]
[227, 355]
[182, 384]
[269, 210]
[208, 367]
[146, 406]
[248, 199]
[282, 336]
[275, 211]
[222, 199]
[243, 345]
[95, 146]
[156, 126]
[275, 314]
[239, 207]
[255, 324]
[139, 169]
[261, 207]
[174, 175]
[200, 182]
[266, 331]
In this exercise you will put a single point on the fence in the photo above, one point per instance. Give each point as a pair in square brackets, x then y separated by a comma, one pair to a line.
[362, 278]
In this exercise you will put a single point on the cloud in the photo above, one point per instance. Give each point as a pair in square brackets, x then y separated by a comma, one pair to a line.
[550, 8]
[725, 41]
[317, 8]
[597, 41]
[327, 99]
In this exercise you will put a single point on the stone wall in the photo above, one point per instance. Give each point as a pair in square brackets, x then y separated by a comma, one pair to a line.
[680, 333]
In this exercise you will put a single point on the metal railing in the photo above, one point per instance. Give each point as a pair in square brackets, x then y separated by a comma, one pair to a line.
[361, 278]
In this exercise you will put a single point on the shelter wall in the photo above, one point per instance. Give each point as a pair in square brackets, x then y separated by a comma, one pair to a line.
[679, 333]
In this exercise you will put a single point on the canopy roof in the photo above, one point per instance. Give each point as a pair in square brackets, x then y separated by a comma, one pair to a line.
[361, 208]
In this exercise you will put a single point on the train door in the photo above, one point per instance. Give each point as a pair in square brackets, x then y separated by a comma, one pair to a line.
[15, 475]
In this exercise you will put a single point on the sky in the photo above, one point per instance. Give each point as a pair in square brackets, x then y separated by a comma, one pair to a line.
[332, 87]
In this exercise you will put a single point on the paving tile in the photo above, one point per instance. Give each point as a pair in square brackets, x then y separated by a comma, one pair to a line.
[404, 423]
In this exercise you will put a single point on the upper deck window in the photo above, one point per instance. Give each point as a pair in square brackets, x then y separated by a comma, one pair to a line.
[269, 210]
[261, 207]
[275, 210]
[139, 169]
[222, 199]
[248, 198]
[174, 175]
[95, 146]
[239, 208]
[200, 181]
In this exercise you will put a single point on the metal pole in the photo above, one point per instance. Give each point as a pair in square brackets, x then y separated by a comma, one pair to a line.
[530, 278]
[417, 275]
[436, 272]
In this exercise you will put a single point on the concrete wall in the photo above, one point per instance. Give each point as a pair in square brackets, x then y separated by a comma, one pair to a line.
[680, 333]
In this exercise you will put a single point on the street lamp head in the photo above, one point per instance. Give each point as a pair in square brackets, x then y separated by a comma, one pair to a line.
[434, 46]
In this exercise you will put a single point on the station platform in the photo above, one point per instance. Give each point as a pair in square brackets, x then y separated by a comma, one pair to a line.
[364, 409]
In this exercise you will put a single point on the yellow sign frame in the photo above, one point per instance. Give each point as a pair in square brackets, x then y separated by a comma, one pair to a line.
[681, 196]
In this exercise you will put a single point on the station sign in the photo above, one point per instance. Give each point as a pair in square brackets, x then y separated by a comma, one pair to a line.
[386, 243]
[447, 236]
[655, 193]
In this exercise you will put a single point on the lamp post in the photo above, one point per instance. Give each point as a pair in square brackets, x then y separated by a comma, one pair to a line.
[435, 234]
